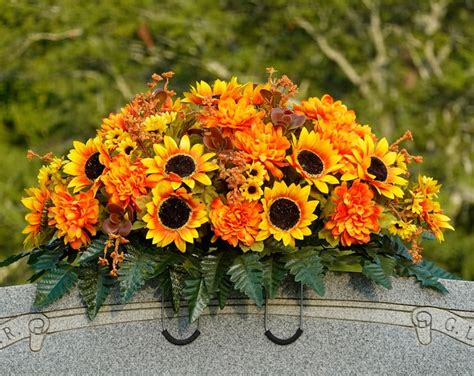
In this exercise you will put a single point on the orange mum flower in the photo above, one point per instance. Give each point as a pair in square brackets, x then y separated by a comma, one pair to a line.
[265, 144]
[237, 222]
[173, 216]
[326, 111]
[74, 216]
[87, 163]
[355, 216]
[231, 115]
[125, 181]
[38, 203]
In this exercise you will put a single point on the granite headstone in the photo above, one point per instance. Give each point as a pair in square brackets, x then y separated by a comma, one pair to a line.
[356, 328]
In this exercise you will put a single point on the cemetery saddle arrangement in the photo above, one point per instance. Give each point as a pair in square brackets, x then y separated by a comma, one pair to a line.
[230, 186]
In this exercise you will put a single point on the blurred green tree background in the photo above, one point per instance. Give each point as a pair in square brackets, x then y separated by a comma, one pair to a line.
[64, 65]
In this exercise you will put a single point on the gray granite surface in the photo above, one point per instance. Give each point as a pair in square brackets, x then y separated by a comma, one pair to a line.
[356, 329]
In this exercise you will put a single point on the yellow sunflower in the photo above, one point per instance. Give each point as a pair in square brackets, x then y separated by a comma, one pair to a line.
[251, 190]
[315, 159]
[203, 94]
[257, 171]
[287, 213]
[376, 165]
[183, 164]
[173, 216]
[87, 163]
[38, 202]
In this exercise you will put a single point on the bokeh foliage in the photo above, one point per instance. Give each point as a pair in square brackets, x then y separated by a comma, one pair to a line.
[401, 65]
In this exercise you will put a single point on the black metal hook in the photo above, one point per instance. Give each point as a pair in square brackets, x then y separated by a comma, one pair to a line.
[168, 336]
[294, 337]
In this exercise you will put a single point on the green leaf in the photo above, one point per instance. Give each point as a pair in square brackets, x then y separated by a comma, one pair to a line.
[436, 271]
[387, 264]
[94, 286]
[93, 251]
[306, 266]
[274, 273]
[247, 274]
[376, 273]
[136, 269]
[225, 287]
[213, 269]
[165, 260]
[13, 258]
[424, 276]
[54, 284]
[196, 295]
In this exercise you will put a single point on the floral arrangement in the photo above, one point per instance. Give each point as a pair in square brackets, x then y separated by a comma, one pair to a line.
[231, 186]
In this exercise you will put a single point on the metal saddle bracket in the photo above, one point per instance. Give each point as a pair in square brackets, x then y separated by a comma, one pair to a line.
[169, 337]
[294, 337]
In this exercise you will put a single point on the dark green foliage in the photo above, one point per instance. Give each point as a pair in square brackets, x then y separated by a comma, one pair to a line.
[274, 273]
[247, 275]
[377, 273]
[13, 258]
[54, 284]
[197, 296]
[225, 288]
[214, 268]
[137, 267]
[306, 267]
[94, 285]
[95, 249]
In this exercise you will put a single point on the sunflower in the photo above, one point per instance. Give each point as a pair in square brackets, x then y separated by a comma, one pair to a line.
[287, 213]
[251, 190]
[236, 222]
[315, 159]
[375, 164]
[265, 144]
[203, 94]
[355, 215]
[37, 202]
[173, 216]
[125, 181]
[256, 171]
[87, 163]
[183, 164]
[403, 229]
[74, 216]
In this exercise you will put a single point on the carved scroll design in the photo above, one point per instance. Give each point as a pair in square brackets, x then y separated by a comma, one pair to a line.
[458, 325]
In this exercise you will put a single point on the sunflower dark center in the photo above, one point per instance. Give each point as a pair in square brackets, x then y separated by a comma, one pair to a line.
[182, 165]
[310, 162]
[253, 172]
[174, 213]
[378, 169]
[284, 214]
[252, 189]
[93, 168]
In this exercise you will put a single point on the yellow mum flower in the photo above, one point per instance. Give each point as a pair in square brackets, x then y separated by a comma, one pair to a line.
[315, 159]
[50, 175]
[287, 213]
[159, 122]
[173, 216]
[183, 164]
